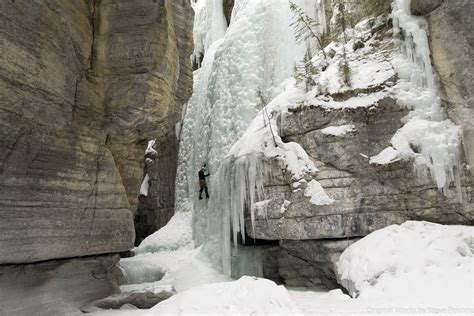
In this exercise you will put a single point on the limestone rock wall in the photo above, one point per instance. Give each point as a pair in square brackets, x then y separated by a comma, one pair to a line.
[83, 86]
[452, 45]
[367, 197]
[157, 208]
[60, 287]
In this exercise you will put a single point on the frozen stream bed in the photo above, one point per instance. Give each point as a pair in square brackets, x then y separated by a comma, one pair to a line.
[409, 269]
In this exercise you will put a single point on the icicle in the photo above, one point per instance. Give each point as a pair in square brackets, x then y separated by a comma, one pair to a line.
[209, 26]
[245, 187]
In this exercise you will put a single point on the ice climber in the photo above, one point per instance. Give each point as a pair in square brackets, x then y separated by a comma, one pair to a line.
[202, 182]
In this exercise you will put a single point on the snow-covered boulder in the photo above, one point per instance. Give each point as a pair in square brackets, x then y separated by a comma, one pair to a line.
[416, 263]
[246, 296]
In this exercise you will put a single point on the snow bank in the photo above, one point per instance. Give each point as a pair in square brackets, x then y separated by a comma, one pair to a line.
[386, 156]
[176, 234]
[168, 258]
[161, 255]
[246, 296]
[416, 264]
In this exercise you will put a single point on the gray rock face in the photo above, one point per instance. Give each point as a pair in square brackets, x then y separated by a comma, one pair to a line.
[140, 300]
[452, 43]
[424, 7]
[157, 208]
[228, 7]
[83, 86]
[56, 287]
[311, 263]
[367, 197]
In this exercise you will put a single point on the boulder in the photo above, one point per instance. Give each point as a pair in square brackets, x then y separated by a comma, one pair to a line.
[137, 299]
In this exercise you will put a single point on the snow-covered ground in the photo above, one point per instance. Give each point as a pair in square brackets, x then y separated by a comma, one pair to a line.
[409, 269]
[168, 259]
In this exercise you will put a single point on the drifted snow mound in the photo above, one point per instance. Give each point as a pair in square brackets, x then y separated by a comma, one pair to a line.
[416, 263]
[176, 234]
[246, 296]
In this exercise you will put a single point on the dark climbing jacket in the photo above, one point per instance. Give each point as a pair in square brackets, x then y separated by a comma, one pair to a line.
[202, 175]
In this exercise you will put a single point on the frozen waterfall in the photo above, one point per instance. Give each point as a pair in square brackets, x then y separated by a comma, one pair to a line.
[428, 136]
[257, 53]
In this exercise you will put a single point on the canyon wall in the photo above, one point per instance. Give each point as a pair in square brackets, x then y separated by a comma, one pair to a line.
[83, 86]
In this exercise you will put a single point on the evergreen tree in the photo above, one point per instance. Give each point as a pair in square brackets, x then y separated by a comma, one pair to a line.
[342, 21]
[305, 72]
[305, 27]
[263, 102]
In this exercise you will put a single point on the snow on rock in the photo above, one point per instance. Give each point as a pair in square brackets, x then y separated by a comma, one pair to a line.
[321, 302]
[260, 139]
[145, 185]
[338, 130]
[386, 156]
[360, 101]
[246, 296]
[371, 75]
[414, 264]
[284, 206]
[261, 208]
[151, 267]
[370, 67]
[317, 194]
[149, 148]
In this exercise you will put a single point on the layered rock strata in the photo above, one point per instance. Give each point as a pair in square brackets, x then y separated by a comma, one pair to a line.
[84, 85]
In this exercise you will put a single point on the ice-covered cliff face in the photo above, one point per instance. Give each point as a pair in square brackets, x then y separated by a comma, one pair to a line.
[209, 26]
[257, 53]
[428, 136]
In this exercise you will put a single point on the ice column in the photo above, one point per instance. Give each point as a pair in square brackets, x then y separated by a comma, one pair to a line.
[432, 139]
